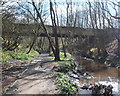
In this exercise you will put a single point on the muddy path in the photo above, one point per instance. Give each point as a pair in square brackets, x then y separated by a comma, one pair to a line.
[35, 78]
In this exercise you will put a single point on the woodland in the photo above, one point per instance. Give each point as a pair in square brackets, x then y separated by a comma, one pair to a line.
[73, 44]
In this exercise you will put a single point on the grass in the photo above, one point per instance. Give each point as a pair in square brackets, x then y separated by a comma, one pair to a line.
[4, 57]
[20, 55]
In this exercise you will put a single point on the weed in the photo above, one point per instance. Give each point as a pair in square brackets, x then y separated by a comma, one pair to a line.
[64, 84]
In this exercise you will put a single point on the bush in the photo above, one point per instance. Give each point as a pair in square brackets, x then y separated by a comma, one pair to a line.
[66, 66]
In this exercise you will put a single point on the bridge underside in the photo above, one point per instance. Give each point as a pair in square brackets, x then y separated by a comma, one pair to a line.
[60, 35]
[52, 35]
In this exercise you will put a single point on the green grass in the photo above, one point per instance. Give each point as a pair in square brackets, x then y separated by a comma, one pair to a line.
[4, 56]
[20, 54]
[8, 55]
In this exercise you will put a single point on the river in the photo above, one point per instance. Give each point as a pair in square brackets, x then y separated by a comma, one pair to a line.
[100, 73]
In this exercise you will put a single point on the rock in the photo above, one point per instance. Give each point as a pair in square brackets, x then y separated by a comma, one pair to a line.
[96, 89]
[79, 71]
[45, 71]
[90, 86]
[75, 72]
[85, 86]
[109, 89]
[76, 82]
[118, 66]
[90, 77]
[102, 90]
[35, 61]
[86, 74]
[74, 76]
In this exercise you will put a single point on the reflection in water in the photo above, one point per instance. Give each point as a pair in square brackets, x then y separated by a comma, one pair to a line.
[100, 72]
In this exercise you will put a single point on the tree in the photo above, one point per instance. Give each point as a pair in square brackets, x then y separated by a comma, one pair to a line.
[114, 17]
[10, 34]
[54, 47]
[54, 29]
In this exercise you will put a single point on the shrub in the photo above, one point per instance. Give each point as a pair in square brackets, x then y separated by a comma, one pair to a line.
[64, 84]
[66, 66]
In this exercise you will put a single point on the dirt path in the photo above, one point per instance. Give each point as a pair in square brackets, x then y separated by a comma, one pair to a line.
[37, 78]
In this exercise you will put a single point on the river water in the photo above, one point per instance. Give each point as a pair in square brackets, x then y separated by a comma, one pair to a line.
[100, 73]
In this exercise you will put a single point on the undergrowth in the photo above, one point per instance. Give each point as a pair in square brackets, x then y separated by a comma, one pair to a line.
[64, 84]
[18, 54]
[69, 57]
[66, 66]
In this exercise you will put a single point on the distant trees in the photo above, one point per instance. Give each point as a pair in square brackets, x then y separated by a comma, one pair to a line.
[116, 18]
[95, 15]
[11, 39]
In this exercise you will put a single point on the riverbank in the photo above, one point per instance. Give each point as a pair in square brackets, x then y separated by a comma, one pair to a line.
[98, 73]
[67, 76]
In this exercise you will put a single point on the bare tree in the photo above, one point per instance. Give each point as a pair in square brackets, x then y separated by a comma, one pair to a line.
[54, 29]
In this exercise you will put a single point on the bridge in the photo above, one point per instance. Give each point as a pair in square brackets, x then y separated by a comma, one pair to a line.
[30, 30]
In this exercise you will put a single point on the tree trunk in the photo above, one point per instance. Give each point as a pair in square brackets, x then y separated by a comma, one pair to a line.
[34, 40]
[43, 26]
[54, 28]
